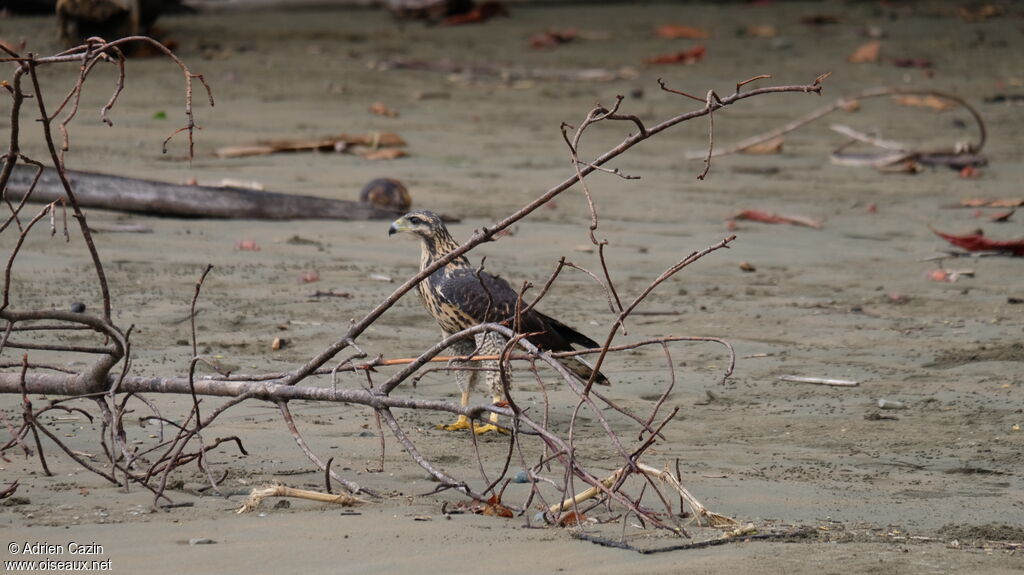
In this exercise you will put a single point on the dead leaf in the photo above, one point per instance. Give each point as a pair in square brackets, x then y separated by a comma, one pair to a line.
[552, 38]
[971, 13]
[1002, 216]
[381, 109]
[340, 142]
[969, 173]
[761, 31]
[866, 53]
[768, 147]
[849, 105]
[931, 102]
[571, 518]
[992, 203]
[12, 47]
[691, 56]
[977, 242]
[384, 154]
[674, 31]
[494, 508]
[771, 218]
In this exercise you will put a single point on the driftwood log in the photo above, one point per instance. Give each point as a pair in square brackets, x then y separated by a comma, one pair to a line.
[109, 192]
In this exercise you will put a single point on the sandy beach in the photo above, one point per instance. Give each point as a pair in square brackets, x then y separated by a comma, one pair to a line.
[935, 487]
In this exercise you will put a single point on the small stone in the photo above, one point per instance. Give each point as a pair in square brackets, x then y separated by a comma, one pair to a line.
[78, 307]
[367, 434]
[521, 477]
[201, 541]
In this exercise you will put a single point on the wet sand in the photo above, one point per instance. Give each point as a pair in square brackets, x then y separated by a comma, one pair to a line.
[847, 301]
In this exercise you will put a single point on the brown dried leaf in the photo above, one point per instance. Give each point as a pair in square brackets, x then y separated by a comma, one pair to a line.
[969, 172]
[931, 102]
[850, 105]
[384, 154]
[691, 56]
[772, 218]
[768, 147]
[381, 109]
[761, 31]
[992, 203]
[494, 508]
[553, 37]
[331, 143]
[12, 47]
[571, 518]
[866, 53]
[1002, 216]
[979, 13]
[674, 31]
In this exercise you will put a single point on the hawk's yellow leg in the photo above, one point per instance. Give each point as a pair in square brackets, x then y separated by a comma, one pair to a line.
[463, 422]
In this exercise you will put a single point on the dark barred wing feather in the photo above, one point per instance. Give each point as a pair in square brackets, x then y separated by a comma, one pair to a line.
[488, 298]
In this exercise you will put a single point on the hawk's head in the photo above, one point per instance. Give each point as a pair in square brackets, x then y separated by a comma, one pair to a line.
[425, 224]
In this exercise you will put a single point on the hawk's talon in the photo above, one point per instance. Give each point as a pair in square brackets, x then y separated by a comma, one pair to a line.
[463, 423]
[482, 429]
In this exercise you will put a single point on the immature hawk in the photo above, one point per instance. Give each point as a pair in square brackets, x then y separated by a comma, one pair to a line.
[459, 296]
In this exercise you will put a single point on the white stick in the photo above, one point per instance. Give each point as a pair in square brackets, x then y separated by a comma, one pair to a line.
[819, 380]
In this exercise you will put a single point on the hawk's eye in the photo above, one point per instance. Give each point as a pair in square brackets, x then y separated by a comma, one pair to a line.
[415, 221]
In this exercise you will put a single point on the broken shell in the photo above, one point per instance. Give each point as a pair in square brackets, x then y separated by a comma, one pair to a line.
[386, 193]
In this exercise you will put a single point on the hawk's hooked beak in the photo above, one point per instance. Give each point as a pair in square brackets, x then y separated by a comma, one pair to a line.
[398, 225]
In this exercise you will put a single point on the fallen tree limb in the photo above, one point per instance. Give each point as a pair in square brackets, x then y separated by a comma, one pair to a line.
[956, 155]
[260, 493]
[109, 192]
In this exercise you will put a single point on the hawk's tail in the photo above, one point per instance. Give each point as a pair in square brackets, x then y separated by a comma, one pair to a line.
[569, 336]
[583, 369]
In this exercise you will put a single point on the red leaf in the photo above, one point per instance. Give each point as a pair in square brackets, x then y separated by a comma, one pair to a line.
[770, 218]
[673, 31]
[691, 56]
[977, 242]
[552, 38]
[494, 508]
[571, 518]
